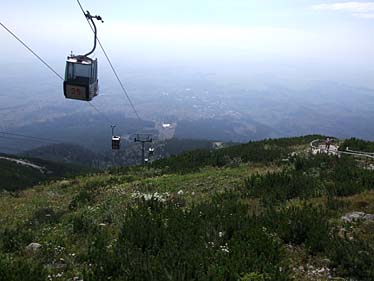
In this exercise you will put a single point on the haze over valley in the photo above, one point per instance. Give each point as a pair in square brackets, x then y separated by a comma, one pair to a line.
[227, 102]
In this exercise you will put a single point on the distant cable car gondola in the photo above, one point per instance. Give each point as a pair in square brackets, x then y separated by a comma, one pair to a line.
[81, 82]
[151, 151]
[116, 140]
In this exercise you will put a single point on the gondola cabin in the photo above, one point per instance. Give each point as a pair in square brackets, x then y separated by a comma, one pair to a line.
[81, 81]
[151, 151]
[116, 143]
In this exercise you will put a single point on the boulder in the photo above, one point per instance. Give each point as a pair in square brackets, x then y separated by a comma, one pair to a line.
[33, 247]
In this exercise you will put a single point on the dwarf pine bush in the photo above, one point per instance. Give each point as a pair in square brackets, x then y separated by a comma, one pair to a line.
[14, 239]
[300, 225]
[16, 270]
[351, 257]
[84, 197]
[275, 188]
[212, 241]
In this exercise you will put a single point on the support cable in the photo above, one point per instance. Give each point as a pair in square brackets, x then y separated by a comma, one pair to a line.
[103, 115]
[30, 50]
[29, 138]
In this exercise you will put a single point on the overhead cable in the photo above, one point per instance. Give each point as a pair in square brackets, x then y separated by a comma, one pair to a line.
[112, 67]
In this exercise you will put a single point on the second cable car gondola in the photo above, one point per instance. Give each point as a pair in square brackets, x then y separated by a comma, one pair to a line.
[116, 142]
[81, 79]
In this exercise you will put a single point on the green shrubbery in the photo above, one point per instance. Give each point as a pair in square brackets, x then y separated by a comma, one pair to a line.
[83, 224]
[211, 241]
[83, 198]
[16, 270]
[300, 225]
[220, 240]
[266, 151]
[275, 188]
[311, 177]
[351, 257]
[359, 145]
[349, 179]
[15, 239]
[45, 215]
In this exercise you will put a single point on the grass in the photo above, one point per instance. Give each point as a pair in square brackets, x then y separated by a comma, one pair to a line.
[58, 195]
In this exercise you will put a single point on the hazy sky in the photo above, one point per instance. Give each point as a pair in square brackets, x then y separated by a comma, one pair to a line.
[335, 32]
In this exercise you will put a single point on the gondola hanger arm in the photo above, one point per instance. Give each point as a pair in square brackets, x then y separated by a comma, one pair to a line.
[91, 18]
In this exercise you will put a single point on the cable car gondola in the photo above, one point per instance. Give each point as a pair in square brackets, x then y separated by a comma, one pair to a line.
[151, 151]
[116, 140]
[81, 81]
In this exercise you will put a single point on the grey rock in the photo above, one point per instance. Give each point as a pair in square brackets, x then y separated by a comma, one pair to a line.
[369, 217]
[33, 247]
[357, 216]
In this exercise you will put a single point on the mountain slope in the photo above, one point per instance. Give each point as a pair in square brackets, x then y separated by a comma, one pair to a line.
[70, 154]
[18, 173]
[130, 154]
[260, 218]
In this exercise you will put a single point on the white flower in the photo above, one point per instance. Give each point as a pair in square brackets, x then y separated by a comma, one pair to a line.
[150, 196]
[225, 248]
